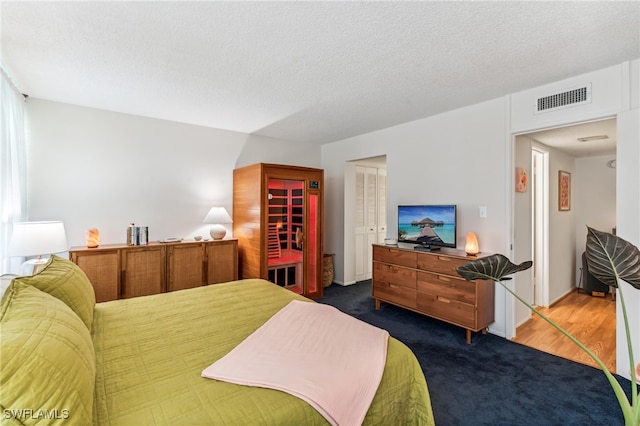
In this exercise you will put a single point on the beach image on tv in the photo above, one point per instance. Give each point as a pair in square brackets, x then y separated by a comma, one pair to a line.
[427, 224]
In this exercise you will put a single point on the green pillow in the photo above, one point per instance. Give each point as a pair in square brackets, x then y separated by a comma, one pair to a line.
[65, 280]
[48, 359]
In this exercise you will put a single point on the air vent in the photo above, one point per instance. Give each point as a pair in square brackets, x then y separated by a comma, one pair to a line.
[579, 96]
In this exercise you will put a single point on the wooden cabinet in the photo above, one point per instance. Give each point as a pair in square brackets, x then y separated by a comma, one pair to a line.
[103, 267]
[221, 261]
[278, 221]
[119, 271]
[143, 271]
[194, 264]
[427, 282]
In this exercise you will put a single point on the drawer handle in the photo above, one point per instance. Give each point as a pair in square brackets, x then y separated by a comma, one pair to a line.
[443, 278]
[443, 299]
[444, 259]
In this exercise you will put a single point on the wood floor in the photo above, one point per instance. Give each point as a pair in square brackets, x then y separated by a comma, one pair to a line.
[592, 320]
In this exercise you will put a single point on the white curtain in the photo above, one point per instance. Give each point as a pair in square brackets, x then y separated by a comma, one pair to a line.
[13, 169]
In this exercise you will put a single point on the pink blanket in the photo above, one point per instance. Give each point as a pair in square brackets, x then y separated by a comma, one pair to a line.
[315, 352]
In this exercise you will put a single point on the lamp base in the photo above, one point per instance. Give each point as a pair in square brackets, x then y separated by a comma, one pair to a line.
[218, 232]
[33, 266]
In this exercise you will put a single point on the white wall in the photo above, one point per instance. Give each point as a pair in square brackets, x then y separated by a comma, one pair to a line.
[616, 92]
[628, 225]
[94, 168]
[464, 156]
[522, 217]
[562, 230]
[608, 92]
[453, 158]
[594, 196]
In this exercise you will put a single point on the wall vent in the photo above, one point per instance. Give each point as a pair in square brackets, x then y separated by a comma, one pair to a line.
[569, 98]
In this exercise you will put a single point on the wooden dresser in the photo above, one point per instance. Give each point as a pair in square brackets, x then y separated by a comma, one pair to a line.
[119, 271]
[427, 282]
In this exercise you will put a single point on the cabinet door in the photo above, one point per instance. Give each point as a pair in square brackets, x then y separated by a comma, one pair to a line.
[143, 271]
[185, 266]
[103, 270]
[222, 261]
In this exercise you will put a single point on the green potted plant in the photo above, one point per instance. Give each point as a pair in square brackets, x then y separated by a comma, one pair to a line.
[610, 259]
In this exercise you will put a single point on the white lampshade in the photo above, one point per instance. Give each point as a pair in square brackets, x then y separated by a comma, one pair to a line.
[218, 216]
[37, 239]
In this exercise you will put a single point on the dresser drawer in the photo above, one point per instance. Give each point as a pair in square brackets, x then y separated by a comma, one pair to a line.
[447, 286]
[441, 263]
[394, 275]
[395, 256]
[448, 309]
[395, 294]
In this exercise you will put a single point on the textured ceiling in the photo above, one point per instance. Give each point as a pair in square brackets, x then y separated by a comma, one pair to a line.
[312, 72]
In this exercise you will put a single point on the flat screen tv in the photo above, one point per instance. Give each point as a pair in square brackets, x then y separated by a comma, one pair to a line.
[428, 226]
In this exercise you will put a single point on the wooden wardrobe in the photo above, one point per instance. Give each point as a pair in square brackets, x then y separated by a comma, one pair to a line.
[278, 221]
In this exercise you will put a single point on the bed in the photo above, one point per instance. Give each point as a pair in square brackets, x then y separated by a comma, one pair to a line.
[142, 359]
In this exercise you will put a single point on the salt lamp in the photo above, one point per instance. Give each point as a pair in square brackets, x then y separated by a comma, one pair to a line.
[93, 238]
[471, 247]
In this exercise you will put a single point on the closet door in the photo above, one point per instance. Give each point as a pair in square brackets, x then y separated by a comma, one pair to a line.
[382, 205]
[366, 229]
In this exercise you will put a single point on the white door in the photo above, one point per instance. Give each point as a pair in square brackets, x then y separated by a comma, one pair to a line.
[366, 226]
[540, 167]
[382, 205]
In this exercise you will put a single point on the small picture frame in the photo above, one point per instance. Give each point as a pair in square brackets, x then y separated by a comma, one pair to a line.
[564, 191]
[521, 179]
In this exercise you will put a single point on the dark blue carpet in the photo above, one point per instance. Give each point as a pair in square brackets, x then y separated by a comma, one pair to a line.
[493, 381]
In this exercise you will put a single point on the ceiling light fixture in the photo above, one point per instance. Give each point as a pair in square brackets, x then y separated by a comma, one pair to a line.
[593, 138]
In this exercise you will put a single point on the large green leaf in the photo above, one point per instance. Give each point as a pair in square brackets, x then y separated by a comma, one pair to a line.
[494, 267]
[610, 257]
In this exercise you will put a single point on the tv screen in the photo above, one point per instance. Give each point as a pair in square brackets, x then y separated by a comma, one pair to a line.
[429, 225]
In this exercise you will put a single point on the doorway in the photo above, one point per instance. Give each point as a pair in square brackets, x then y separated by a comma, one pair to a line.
[365, 196]
[539, 226]
[553, 237]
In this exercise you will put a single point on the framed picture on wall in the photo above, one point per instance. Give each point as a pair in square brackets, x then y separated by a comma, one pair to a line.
[564, 191]
[521, 179]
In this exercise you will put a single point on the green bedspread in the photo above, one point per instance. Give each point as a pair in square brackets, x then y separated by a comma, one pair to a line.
[150, 352]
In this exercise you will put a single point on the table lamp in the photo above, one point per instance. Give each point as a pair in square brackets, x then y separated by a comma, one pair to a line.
[217, 216]
[471, 247]
[37, 239]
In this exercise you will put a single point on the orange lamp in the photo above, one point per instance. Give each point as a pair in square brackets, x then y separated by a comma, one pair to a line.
[471, 247]
[93, 238]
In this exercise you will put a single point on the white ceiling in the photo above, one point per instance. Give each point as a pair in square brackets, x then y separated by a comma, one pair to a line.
[311, 72]
[566, 138]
